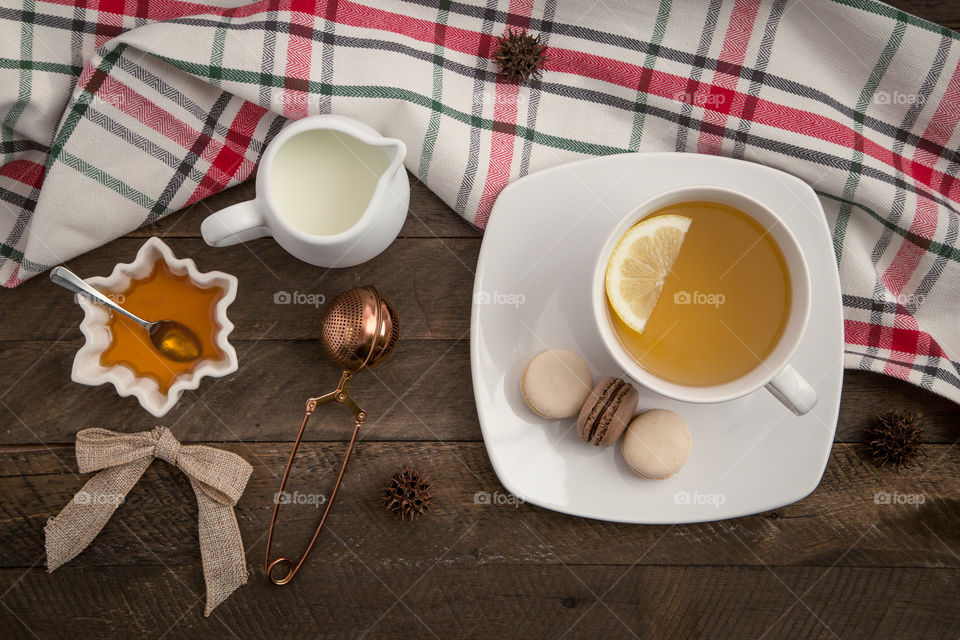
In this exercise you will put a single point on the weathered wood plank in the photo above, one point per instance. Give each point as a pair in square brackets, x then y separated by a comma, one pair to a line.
[840, 523]
[428, 216]
[346, 599]
[430, 281]
[937, 11]
[423, 393]
[866, 395]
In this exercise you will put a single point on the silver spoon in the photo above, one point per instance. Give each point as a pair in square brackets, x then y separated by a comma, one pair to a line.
[170, 338]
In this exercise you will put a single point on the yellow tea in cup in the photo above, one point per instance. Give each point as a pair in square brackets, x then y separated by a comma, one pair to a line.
[724, 304]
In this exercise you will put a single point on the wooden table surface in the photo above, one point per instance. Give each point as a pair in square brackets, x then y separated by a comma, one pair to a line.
[834, 564]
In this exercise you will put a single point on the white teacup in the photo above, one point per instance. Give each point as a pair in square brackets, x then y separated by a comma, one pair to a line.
[774, 372]
[330, 190]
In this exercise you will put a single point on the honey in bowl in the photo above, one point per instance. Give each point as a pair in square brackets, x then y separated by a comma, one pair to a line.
[724, 304]
[162, 295]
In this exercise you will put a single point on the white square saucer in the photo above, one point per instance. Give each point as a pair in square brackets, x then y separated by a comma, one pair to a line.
[532, 292]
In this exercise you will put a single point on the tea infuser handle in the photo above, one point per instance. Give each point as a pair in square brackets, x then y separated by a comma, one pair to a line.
[341, 395]
[292, 570]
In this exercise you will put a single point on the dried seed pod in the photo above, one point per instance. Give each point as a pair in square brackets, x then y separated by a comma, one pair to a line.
[408, 494]
[894, 439]
[520, 56]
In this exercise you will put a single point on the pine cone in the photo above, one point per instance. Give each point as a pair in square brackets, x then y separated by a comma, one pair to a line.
[894, 439]
[520, 56]
[408, 495]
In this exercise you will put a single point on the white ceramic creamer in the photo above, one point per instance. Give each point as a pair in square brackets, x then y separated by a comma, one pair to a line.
[330, 190]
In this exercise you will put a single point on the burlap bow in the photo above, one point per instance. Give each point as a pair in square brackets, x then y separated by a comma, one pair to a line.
[217, 477]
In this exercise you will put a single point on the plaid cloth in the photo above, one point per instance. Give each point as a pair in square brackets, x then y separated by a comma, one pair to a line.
[117, 112]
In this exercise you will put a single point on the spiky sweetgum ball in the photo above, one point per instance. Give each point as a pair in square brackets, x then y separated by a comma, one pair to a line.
[895, 439]
[520, 56]
[408, 494]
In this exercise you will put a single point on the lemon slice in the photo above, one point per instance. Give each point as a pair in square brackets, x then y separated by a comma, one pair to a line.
[640, 264]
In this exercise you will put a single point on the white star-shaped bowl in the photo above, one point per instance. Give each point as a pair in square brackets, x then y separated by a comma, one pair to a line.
[86, 365]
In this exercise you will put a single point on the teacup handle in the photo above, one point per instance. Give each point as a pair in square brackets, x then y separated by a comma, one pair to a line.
[234, 224]
[793, 391]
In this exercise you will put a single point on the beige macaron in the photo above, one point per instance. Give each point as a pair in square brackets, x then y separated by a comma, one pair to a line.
[656, 444]
[556, 383]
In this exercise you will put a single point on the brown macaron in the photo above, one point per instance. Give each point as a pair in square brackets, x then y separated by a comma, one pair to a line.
[607, 411]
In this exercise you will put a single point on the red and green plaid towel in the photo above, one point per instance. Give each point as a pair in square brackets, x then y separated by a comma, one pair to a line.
[117, 112]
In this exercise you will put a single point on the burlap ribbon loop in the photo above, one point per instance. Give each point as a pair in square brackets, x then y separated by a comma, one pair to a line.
[218, 479]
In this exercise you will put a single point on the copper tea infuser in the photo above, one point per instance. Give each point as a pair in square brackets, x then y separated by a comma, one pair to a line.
[359, 329]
